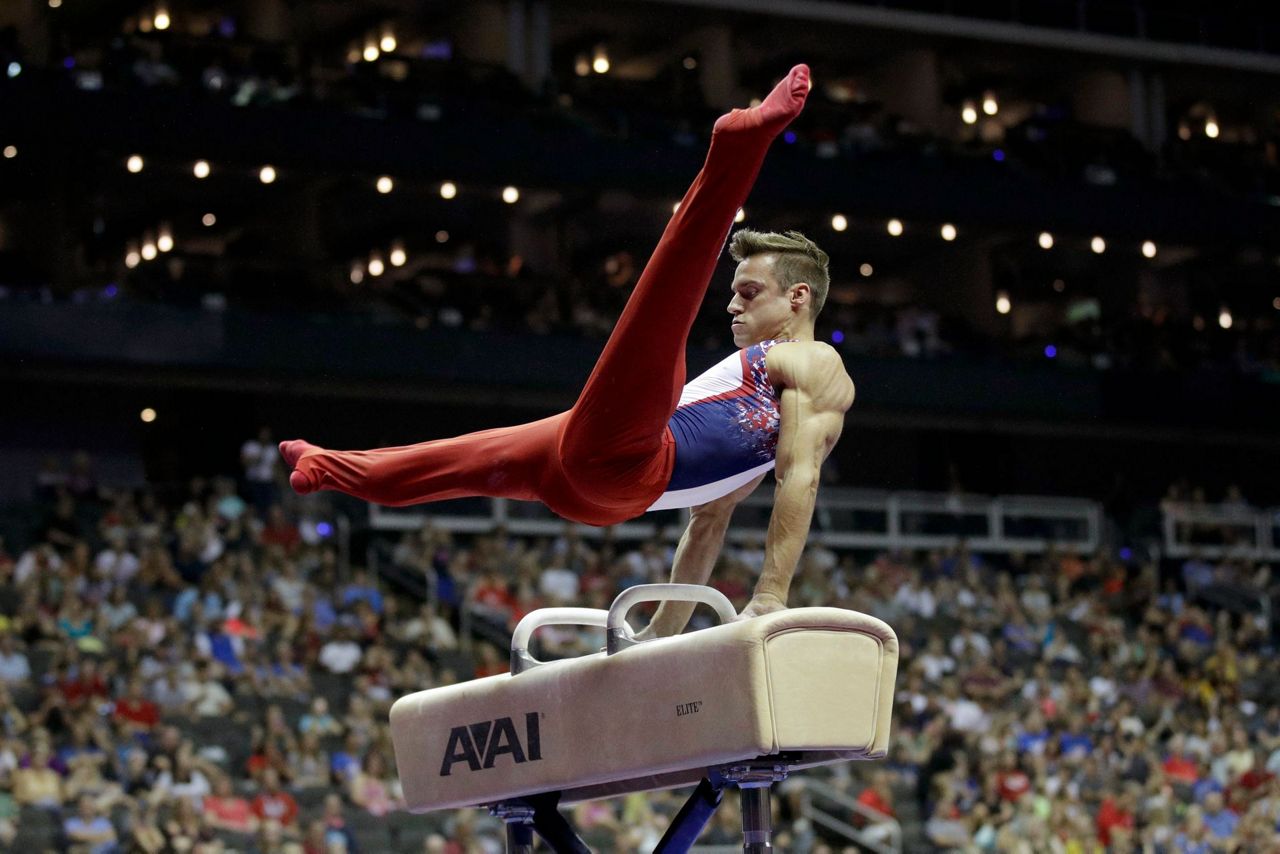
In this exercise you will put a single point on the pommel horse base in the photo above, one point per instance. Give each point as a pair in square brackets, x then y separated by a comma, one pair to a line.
[740, 704]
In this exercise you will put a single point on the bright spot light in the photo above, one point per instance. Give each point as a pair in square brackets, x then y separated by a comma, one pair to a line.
[1098, 245]
[357, 272]
[131, 256]
[1148, 249]
[866, 270]
[740, 216]
[989, 105]
[689, 63]
[510, 195]
[134, 164]
[969, 113]
[385, 184]
[54, 4]
[376, 267]
[582, 65]
[208, 220]
[267, 174]
[201, 169]
[165, 242]
[147, 415]
[600, 62]
[162, 20]
[448, 190]
[895, 227]
[1046, 240]
[675, 208]
[1002, 303]
[1275, 303]
[1211, 129]
[442, 236]
[148, 251]
[15, 68]
[10, 152]
[398, 257]
[371, 52]
[837, 337]
[388, 43]
[948, 232]
[839, 223]
[1224, 318]
[1050, 351]
[324, 529]
[755, 102]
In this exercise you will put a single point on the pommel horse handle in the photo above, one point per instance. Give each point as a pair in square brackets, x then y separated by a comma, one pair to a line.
[621, 637]
[521, 660]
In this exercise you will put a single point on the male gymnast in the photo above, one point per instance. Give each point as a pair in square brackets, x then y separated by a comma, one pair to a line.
[638, 438]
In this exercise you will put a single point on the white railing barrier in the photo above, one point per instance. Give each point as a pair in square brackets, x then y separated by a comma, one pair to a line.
[846, 518]
[1257, 530]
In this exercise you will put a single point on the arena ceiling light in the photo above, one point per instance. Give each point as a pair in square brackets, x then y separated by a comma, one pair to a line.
[371, 51]
[132, 257]
[989, 104]
[442, 236]
[201, 169]
[1098, 245]
[1148, 249]
[147, 415]
[1224, 318]
[357, 272]
[388, 41]
[600, 61]
[1211, 128]
[582, 65]
[164, 241]
[510, 195]
[948, 232]
[866, 270]
[148, 250]
[398, 257]
[895, 227]
[741, 215]
[134, 164]
[839, 222]
[376, 267]
[448, 190]
[1002, 303]
[208, 220]
[267, 174]
[1046, 240]
[14, 69]
[162, 19]
[969, 113]
[385, 184]
[10, 152]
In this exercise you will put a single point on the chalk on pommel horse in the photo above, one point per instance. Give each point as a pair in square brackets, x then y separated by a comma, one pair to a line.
[740, 704]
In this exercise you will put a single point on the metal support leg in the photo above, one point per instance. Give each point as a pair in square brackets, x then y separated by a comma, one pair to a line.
[757, 819]
[691, 819]
[753, 780]
[519, 820]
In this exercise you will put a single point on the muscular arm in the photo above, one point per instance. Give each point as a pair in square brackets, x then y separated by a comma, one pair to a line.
[816, 394]
[696, 556]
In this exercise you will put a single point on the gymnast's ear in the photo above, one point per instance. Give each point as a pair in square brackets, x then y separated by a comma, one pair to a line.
[801, 295]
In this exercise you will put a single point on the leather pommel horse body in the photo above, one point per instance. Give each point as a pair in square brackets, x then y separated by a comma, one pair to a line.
[742, 704]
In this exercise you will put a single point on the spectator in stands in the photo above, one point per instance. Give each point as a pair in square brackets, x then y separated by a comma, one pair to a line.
[259, 458]
[274, 804]
[341, 654]
[204, 695]
[225, 810]
[370, 788]
[88, 827]
[15, 669]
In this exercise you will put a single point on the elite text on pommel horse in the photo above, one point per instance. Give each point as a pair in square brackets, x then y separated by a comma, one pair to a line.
[740, 704]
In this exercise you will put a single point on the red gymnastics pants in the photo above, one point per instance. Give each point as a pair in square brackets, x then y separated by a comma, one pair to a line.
[609, 457]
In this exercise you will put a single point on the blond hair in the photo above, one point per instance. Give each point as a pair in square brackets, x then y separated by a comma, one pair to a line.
[797, 259]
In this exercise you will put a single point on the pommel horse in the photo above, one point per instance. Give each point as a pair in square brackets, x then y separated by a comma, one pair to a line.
[739, 704]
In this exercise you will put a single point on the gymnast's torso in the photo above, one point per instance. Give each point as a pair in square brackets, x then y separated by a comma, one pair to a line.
[725, 429]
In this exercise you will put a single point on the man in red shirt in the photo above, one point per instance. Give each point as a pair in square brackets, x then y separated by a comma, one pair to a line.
[1115, 813]
[1011, 780]
[878, 797]
[134, 712]
[274, 803]
[1180, 766]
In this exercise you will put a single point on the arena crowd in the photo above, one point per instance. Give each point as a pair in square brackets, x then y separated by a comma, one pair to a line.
[195, 671]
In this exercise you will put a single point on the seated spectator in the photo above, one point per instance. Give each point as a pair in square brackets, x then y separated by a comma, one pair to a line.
[144, 833]
[274, 804]
[185, 828]
[133, 712]
[370, 787]
[319, 720]
[205, 696]
[37, 784]
[15, 669]
[89, 828]
[341, 654]
[344, 764]
[334, 822]
[308, 764]
[225, 810]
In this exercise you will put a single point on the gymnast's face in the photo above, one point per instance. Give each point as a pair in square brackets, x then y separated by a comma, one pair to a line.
[761, 309]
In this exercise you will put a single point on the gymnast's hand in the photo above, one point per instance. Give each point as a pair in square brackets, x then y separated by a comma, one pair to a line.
[761, 604]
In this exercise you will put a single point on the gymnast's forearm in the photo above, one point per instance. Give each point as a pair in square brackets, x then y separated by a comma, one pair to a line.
[696, 556]
[794, 501]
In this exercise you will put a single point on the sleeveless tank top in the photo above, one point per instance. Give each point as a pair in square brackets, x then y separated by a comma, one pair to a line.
[725, 429]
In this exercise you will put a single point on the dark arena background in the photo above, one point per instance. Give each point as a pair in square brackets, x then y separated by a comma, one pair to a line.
[1054, 231]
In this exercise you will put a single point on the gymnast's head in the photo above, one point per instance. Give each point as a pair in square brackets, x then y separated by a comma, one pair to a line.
[779, 287]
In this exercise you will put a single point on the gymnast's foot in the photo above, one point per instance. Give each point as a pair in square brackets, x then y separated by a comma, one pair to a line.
[782, 105]
[759, 606]
[294, 452]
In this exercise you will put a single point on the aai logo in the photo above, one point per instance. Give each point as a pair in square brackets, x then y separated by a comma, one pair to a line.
[480, 744]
